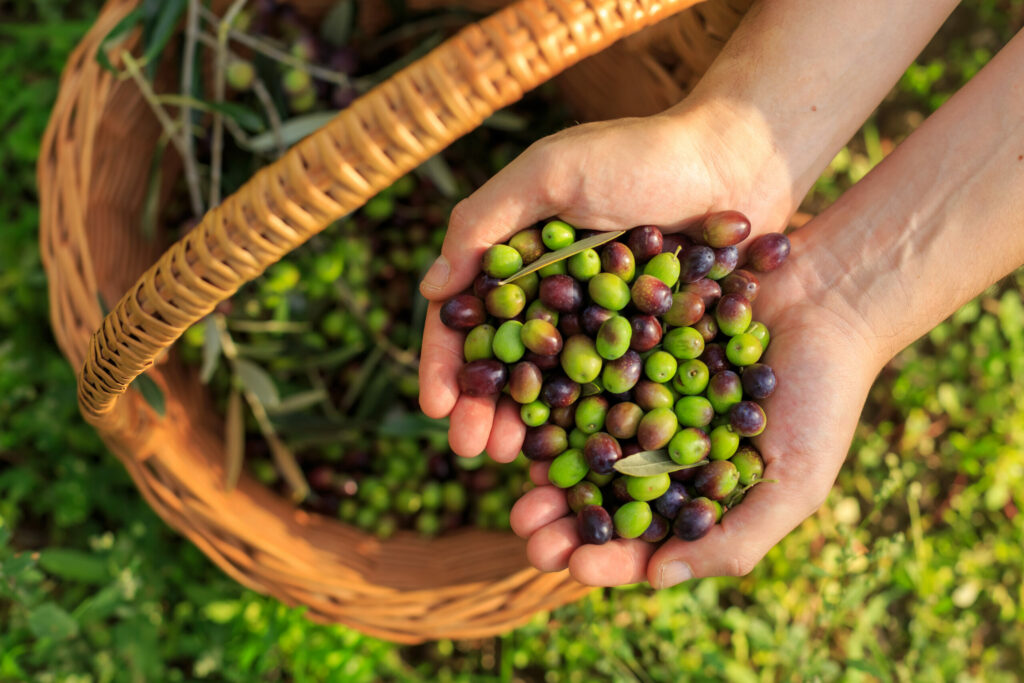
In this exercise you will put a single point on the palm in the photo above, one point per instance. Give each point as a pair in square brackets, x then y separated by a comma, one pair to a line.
[593, 176]
[811, 417]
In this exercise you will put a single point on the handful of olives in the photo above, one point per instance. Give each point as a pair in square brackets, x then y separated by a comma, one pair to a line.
[635, 358]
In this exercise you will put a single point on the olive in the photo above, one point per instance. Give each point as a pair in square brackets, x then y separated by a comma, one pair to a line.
[558, 235]
[650, 395]
[647, 488]
[656, 531]
[582, 494]
[743, 349]
[623, 419]
[660, 367]
[689, 446]
[694, 411]
[564, 416]
[580, 359]
[725, 228]
[758, 381]
[644, 242]
[646, 333]
[541, 337]
[463, 312]
[726, 259]
[656, 429]
[733, 314]
[741, 282]
[707, 327]
[695, 263]
[747, 418]
[506, 301]
[632, 519]
[534, 414]
[687, 308]
[724, 442]
[617, 259]
[559, 391]
[538, 311]
[529, 244]
[591, 413]
[561, 293]
[568, 469]
[749, 464]
[759, 330]
[695, 519]
[665, 267]
[601, 452]
[668, 503]
[593, 317]
[768, 251]
[501, 261]
[652, 296]
[717, 479]
[482, 378]
[477, 345]
[594, 525]
[609, 291]
[614, 337]
[483, 284]
[525, 382]
[684, 343]
[707, 289]
[508, 344]
[584, 265]
[724, 390]
[545, 442]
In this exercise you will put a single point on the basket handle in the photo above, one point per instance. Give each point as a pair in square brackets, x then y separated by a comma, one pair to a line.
[383, 135]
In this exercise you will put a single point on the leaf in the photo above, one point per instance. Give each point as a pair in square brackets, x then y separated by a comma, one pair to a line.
[258, 382]
[292, 130]
[73, 565]
[160, 31]
[116, 35]
[648, 463]
[506, 120]
[234, 440]
[590, 389]
[48, 620]
[152, 392]
[299, 402]
[437, 171]
[288, 467]
[401, 424]
[151, 201]
[564, 253]
[239, 113]
[336, 26]
[211, 349]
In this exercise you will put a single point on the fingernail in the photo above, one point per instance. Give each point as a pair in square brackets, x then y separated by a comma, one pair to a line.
[437, 276]
[674, 572]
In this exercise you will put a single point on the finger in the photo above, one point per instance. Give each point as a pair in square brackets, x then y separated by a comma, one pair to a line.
[745, 534]
[536, 509]
[440, 360]
[550, 547]
[470, 425]
[539, 473]
[518, 196]
[614, 563]
[507, 433]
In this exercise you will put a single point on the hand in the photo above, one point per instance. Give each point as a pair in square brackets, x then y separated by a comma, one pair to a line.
[668, 170]
[824, 371]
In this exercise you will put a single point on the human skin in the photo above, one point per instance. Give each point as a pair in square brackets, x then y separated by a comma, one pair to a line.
[934, 224]
[753, 136]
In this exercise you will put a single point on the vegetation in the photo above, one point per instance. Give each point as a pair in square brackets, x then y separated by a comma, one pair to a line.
[912, 570]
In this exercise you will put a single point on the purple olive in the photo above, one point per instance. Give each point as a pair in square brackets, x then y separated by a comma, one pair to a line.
[561, 293]
[560, 391]
[695, 263]
[463, 312]
[651, 295]
[601, 452]
[758, 381]
[707, 289]
[725, 228]
[768, 252]
[647, 333]
[645, 242]
[545, 442]
[482, 378]
[687, 308]
[741, 282]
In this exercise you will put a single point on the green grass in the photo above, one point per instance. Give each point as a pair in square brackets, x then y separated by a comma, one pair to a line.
[912, 571]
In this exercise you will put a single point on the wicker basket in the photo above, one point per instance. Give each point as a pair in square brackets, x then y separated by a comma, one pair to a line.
[92, 175]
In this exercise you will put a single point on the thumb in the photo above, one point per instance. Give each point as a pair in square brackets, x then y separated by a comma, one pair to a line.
[524, 192]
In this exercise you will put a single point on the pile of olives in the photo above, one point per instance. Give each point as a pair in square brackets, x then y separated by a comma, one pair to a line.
[635, 359]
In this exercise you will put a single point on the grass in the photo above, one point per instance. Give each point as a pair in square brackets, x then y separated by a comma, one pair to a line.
[912, 571]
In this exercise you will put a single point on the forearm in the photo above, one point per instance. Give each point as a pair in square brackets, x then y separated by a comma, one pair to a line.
[796, 81]
[933, 225]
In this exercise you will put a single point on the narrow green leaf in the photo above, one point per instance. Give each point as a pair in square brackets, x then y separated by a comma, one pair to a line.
[151, 201]
[437, 171]
[401, 424]
[211, 349]
[48, 620]
[116, 35]
[234, 440]
[152, 392]
[292, 131]
[257, 381]
[289, 468]
[336, 27]
[648, 463]
[240, 114]
[562, 254]
[591, 389]
[506, 120]
[161, 30]
[299, 402]
[73, 565]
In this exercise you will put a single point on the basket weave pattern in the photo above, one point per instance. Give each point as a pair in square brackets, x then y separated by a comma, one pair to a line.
[92, 173]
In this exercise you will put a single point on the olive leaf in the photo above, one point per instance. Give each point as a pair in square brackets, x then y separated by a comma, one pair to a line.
[436, 170]
[292, 131]
[257, 382]
[152, 392]
[590, 389]
[649, 463]
[288, 467]
[234, 440]
[337, 25]
[298, 402]
[564, 253]
[151, 201]
[158, 29]
[211, 349]
[116, 36]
